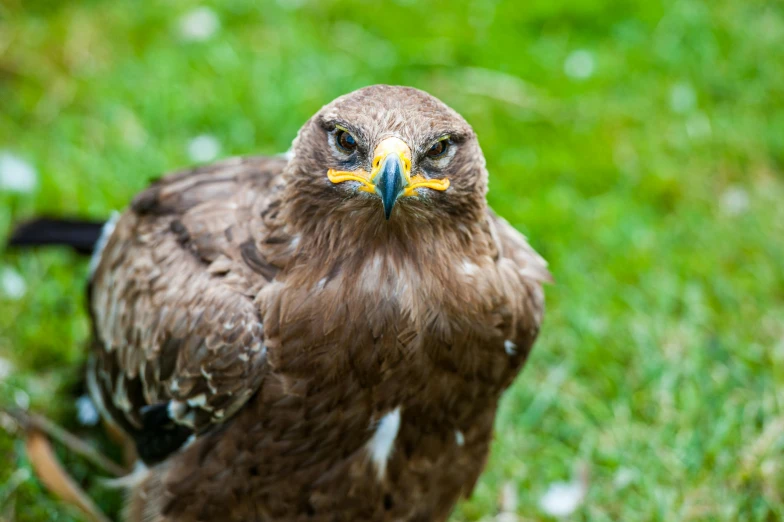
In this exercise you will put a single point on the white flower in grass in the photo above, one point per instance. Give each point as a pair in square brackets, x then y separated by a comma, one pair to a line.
[563, 498]
[203, 148]
[21, 399]
[16, 174]
[507, 504]
[580, 64]
[12, 284]
[198, 24]
[683, 98]
[734, 201]
[5, 368]
[624, 477]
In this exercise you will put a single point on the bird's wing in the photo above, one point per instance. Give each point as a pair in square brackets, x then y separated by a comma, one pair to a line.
[179, 340]
[523, 272]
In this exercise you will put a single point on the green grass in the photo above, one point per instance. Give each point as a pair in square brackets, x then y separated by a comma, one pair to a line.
[654, 187]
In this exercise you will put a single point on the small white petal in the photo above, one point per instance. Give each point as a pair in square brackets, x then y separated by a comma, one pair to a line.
[16, 175]
[624, 477]
[22, 399]
[12, 284]
[86, 411]
[580, 65]
[562, 498]
[683, 98]
[203, 148]
[199, 24]
[508, 499]
[735, 201]
[5, 368]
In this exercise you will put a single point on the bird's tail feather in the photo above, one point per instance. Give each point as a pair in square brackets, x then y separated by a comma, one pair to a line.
[82, 236]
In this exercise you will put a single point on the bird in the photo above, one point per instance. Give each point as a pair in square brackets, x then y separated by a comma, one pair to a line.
[322, 335]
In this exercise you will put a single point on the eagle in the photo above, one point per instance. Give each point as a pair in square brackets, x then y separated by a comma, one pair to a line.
[323, 335]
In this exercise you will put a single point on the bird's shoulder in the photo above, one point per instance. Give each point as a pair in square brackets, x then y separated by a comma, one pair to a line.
[523, 273]
[179, 339]
[513, 246]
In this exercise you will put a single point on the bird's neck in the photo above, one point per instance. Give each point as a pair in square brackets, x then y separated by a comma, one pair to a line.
[350, 235]
[320, 238]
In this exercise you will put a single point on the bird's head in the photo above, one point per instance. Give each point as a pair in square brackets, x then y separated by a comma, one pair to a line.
[389, 152]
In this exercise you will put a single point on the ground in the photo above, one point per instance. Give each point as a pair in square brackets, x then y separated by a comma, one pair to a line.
[639, 145]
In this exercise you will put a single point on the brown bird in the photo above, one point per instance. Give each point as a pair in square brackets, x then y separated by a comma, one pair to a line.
[319, 336]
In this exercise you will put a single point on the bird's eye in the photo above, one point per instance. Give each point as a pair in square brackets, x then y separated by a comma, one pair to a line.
[345, 141]
[438, 149]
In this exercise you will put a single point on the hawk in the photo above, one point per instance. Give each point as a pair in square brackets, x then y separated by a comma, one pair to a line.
[318, 336]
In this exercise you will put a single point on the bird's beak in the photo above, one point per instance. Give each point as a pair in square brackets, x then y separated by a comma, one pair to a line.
[390, 175]
[391, 171]
[390, 182]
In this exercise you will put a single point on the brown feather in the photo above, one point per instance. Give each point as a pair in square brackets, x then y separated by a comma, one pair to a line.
[301, 333]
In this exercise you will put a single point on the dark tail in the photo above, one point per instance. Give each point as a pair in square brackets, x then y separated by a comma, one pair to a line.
[79, 235]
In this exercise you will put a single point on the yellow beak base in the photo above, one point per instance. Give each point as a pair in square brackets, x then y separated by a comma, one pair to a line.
[391, 145]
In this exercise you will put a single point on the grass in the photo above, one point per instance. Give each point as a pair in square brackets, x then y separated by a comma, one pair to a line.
[639, 144]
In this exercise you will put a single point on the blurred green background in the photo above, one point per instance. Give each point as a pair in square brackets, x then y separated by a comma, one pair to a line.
[639, 145]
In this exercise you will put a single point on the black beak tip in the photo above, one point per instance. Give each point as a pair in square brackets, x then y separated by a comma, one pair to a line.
[390, 184]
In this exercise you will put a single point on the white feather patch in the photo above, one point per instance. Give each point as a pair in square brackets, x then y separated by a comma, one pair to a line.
[176, 409]
[469, 268]
[95, 391]
[131, 480]
[106, 232]
[199, 401]
[382, 443]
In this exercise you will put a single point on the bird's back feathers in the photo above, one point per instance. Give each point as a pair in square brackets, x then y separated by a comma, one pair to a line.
[179, 344]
